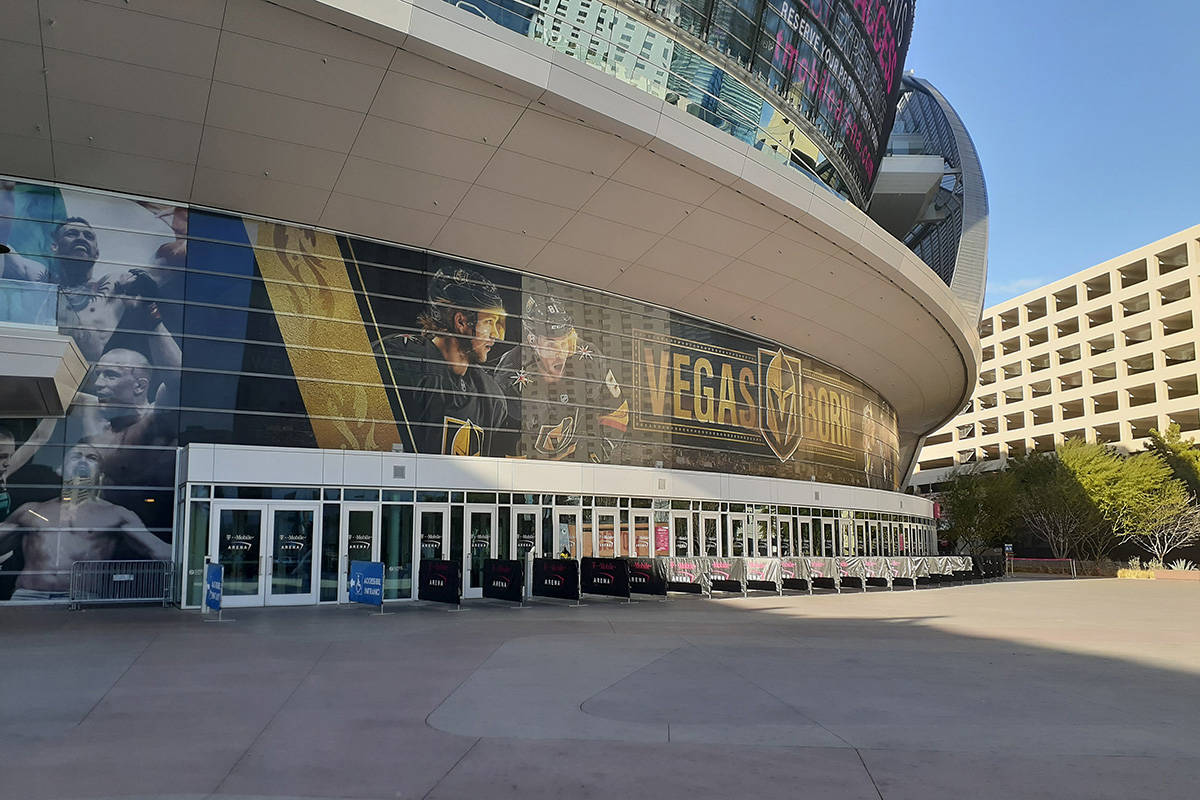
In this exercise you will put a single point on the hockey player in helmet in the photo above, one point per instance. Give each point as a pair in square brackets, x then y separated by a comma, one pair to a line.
[452, 404]
[563, 395]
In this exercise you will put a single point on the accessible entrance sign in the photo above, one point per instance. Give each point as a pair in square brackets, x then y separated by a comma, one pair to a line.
[366, 583]
[213, 586]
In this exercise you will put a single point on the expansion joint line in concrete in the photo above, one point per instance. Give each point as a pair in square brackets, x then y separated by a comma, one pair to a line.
[453, 767]
[271, 721]
[124, 672]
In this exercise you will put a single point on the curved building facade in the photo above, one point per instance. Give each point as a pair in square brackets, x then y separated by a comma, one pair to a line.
[949, 229]
[517, 303]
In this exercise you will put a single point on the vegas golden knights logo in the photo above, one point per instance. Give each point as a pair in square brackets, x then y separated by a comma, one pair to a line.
[461, 437]
[779, 412]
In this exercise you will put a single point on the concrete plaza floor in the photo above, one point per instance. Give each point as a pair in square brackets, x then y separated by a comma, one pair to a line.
[1017, 689]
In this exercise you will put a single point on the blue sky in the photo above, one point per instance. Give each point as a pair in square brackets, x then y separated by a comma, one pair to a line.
[1086, 116]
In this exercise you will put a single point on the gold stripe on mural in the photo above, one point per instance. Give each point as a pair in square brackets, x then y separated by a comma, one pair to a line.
[314, 302]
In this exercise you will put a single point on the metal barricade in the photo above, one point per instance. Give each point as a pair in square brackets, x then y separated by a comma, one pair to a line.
[121, 582]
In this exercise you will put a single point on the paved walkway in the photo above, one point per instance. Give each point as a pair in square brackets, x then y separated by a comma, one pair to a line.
[1064, 689]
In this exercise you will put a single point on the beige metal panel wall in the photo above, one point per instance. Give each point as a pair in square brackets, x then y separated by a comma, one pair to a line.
[1105, 355]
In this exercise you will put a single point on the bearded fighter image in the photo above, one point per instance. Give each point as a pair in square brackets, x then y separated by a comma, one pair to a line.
[75, 526]
[451, 403]
[571, 406]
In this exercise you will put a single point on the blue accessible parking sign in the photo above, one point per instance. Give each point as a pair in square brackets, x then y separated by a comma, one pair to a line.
[366, 582]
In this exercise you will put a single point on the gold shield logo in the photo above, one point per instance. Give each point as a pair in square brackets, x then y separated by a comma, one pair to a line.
[779, 402]
[461, 437]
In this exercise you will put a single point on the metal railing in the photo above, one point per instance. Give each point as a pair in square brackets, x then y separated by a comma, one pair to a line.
[121, 582]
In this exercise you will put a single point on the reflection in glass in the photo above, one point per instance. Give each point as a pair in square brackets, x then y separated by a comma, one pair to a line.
[239, 550]
[432, 525]
[396, 551]
[292, 552]
[481, 544]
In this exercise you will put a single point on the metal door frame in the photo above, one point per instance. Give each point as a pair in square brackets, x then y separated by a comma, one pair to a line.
[344, 543]
[493, 544]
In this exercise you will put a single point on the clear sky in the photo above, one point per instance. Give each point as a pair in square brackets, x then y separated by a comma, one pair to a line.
[1086, 116]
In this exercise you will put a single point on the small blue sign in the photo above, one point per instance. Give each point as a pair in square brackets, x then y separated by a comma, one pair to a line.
[214, 578]
[366, 582]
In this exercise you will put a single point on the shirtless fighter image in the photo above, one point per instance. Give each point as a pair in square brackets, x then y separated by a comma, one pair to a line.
[90, 309]
[120, 416]
[75, 526]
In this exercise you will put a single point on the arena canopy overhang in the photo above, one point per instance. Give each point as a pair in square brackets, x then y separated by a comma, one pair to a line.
[418, 123]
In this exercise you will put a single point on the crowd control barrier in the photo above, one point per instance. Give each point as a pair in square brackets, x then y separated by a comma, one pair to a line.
[556, 577]
[794, 574]
[727, 575]
[120, 582]
[606, 576]
[504, 580]
[877, 570]
[823, 572]
[764, 573]
[688, 575]
[440, 581]
[850, 568]
[647, 576]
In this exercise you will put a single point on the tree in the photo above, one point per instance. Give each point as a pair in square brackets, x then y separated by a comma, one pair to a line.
[980, 509]
[1181, 455]
[1167, 521]
[1055, 507]
[1120, 487]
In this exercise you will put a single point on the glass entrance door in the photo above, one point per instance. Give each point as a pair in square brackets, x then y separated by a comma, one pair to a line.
[681, 541]
[293, 569]
[432, 526]
[643, 544]
[606, 533]
[760, 536]
[361, 542]
[236, 542]
[480, 545]
[710, 535]
[268, 551]
[567, 531]
[525, 531]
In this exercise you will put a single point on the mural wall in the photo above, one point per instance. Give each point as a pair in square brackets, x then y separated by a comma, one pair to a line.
[205, 327]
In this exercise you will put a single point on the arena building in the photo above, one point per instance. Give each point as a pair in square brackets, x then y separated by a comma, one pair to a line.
[291, 283]
[1104, 355]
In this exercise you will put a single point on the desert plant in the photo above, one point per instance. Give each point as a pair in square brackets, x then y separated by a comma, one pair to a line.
[1182, 564]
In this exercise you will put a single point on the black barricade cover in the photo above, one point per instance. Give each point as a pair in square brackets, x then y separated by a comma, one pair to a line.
[691, 571]
[504, 580]
[647, 576]
[989, 566]
[608, 576]
[440, 581]
[556, 577]
[727, 574]
[762, 570]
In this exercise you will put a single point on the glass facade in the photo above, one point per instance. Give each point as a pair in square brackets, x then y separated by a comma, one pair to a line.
[213, 328]
[814, 82]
